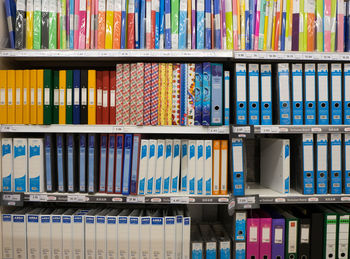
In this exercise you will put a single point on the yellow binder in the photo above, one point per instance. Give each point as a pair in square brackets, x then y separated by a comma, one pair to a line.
[92, 97]
[109, 24]
[3, 97]
[11, 95]
[40, 99]
[26, 97]
[62, 97]
[19, 96]
[29, 24]
[33, 97]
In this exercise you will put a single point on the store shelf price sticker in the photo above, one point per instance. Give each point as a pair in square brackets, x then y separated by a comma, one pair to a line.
[180, 200]
[76, 198]
[37, 197]
[135, 199]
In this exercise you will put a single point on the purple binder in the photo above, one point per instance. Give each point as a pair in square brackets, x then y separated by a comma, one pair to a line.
[277, 245]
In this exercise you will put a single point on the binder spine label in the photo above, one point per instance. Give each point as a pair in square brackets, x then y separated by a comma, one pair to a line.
[323, 103]
[266, 95]
[347, 163]
[322, 172]
[283, 75]
[310, 99]
[241, 95]
[254, 111]
[297, 79]
[238, 168]
[308, 165]
[336, 85]
[336, 172]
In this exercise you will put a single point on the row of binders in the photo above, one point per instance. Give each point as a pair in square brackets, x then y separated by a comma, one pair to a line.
[315, 232]
[320, 25]
[306, 94]
[96, 233]
[133, 94]
[114, 163]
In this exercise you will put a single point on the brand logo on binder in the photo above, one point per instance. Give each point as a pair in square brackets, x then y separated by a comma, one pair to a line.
[6, 149]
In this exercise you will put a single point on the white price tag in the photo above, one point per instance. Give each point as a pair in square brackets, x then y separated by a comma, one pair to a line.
[76, 198]
[11, 197]
[179, 200]
[118, 129]
[213, 130]
[37, 197]
[135, 199]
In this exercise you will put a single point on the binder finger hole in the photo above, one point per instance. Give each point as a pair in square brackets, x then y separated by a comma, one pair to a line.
[266, 105]
[308, 175]
[216, 108]
[323, 105]
[303, 257]
[284, 105]
[336, 105]
[330, 255]
[238, 175]
[336, 175]
[240, 232]
[348, 105]
[254, 105]
[291, 256]
[310, 105]
[349, 174]
[278, 257]
[342, 255]
[241, 105]
[297, 105]
[321, 175]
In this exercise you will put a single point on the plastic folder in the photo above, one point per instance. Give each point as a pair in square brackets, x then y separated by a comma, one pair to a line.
[101, 27]
[29, 24]
[319, 25]
[295, 28]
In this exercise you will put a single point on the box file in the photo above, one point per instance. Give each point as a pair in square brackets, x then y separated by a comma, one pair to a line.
[7, 241]
[48, 96]
[343, 233]
[33, 234]
[33, 97]
[277, 235]
[335, 171]
[184, 165]
[275, 164]
[123, 234]
[19, 227]
[254, 94]
[241, 94]
[111, 233]
[216, 167]
[207, 96]
[223, 167]
[151, 165]
[297, 86]
[101, 234]
[36, 165]
[26, 96]
[7, 164]
[322, 95]
[346, 163]
[11, 97]
[62, 96]
[346, 94]
[199, 166]
[134, 238]
[265, 234]
[91, 97]
[111, 163]
[282, 109]
[321, 163]
[227, 98]
[238, 166]
[103, 162]
[45, 234]
[336, 94]
[90, 234]
[303, 235]
[143, 167]
[56, 234]
[175, 170]
[3, 97]
[67, 234]
[119, 163]
[168, 156]
[20, 169]
[216, 101]
[179, 234]
[186, 236]
[99, 89]
[159, 166]
[266, 95]
[56, 96]
[71, 157]
[69, 97]
[198, 94]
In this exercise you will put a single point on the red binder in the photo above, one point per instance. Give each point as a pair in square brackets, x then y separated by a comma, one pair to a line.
[99, 83]
[131, 30]
[112, 86]
[105, 98]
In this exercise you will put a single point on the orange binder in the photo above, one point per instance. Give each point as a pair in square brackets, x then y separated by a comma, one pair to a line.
[3, 96]
[19, 96]
[216, 166]
[11, 95]
[33, 97]
[223, 164]
[40, 97]
[92, 97]
[117, 21]
[26, 97]
[62, 97]
[310, 31]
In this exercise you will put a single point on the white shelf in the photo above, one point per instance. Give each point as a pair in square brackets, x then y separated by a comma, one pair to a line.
[114, 129]
[211, 54]
[115, 54]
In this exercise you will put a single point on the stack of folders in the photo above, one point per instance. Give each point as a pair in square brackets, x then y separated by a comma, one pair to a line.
[306, 94]
[316, 232]
[321, 25]
[210, 241]
[189, 166]
[96, 233]
[133, 94]
[114, 163]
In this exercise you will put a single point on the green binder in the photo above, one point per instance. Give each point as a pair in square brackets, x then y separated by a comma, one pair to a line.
[343, 231]
[291, 241]
[330, 233]
[69, 101]
[55, 113]
[48, 96]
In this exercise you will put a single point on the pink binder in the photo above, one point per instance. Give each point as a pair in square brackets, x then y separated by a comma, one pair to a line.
[340, 26]
[82, 24]
[327, 25]
[76, 19]
[265, 235]
[253, 237]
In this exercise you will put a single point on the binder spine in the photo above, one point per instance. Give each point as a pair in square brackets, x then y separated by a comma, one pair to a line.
[238, 167]
[266, 95]
[308, 164]
[297, 84]
[323, 103]
[254, 109]
[284, 97]
[335, 164]
[321, 164]
[336, 96]
[241, 95]
[346, 163]
[347, 92]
